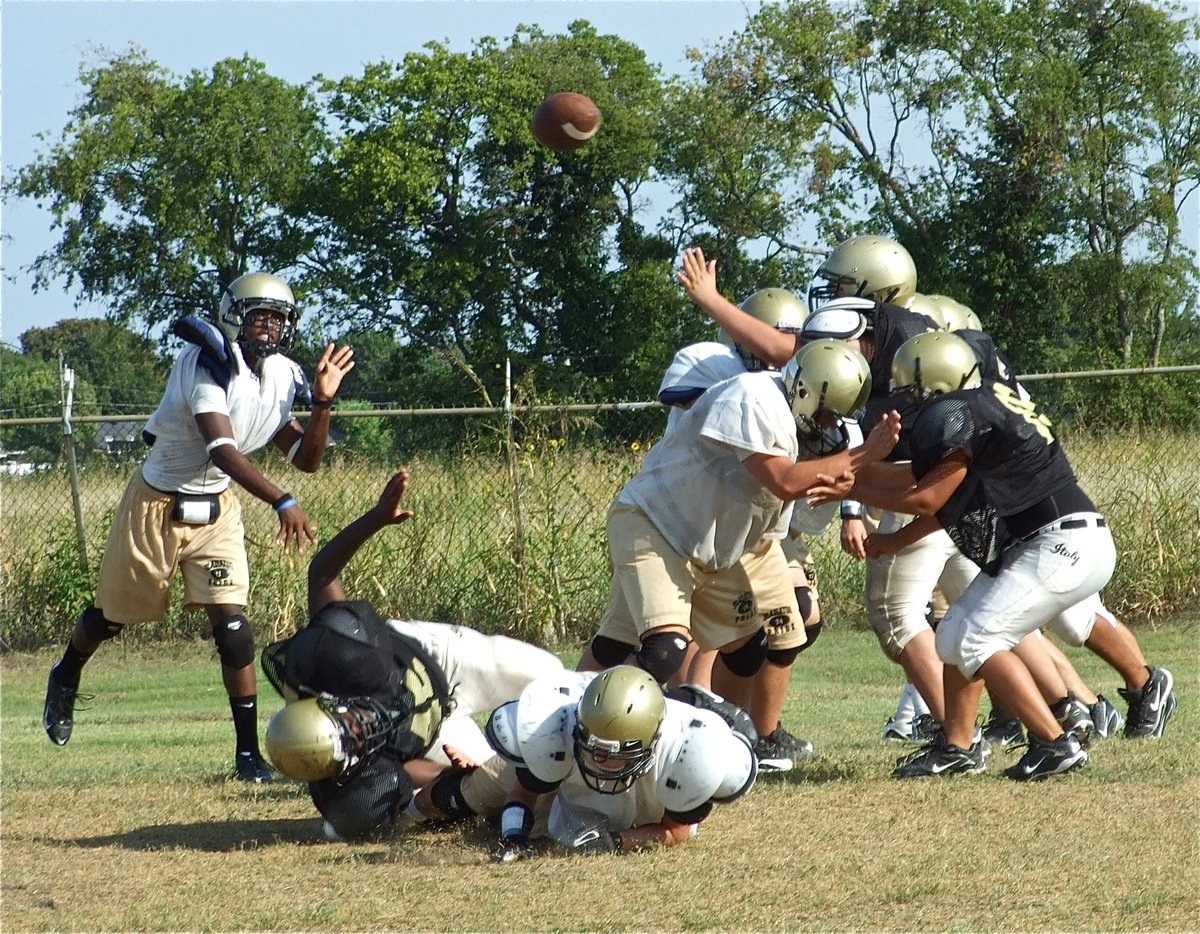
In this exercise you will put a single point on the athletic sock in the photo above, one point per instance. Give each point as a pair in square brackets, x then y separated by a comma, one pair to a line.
[245, 722]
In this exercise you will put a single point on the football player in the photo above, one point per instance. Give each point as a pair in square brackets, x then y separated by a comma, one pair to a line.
[230, 392]
[601, 762]
[378, 707]
[1052, 555]
[702, 519]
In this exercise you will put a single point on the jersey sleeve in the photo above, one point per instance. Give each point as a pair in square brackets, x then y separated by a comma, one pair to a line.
[744, 418]
[943, 427]
[200, 390]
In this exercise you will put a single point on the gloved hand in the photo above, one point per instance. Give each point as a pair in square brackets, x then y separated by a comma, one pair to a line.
[597, 839]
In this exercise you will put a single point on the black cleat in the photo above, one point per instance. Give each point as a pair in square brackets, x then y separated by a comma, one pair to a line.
[251, 767]
[1002, 730]
[1043, 759]
[1106, 717]
[938, 757]
[1150, 707]
[780, 751]
[58, 715]
[1074, 716]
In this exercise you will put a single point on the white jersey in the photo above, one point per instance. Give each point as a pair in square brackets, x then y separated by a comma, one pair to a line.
[697, 367]
[482, 671]
[693, 486]
[258, 406]
[697, 759]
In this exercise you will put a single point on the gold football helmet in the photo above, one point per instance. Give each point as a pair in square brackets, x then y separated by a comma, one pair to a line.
[955, 315]
[927, 305]
[878, 268]
[617, 723]
[777, 307]
[325, 737]
[825, 375]
[934, 363]
[249, 293]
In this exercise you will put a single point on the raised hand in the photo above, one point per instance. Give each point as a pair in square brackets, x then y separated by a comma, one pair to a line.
[389, 500]
[698, 278]
[331, 370]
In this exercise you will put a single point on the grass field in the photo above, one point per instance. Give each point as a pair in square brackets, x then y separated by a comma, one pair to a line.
[133, 827]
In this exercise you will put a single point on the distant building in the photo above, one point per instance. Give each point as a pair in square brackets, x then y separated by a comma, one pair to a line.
[118, 437]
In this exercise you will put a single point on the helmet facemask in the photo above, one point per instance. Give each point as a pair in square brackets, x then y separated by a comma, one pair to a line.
[328, 737]
[611, 766]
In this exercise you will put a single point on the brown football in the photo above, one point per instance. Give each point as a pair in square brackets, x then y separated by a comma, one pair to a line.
[565, 120]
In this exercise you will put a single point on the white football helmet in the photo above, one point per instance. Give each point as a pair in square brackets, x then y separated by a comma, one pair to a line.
[249, 293]
[933, 364]
[871, 267]
[776, 307]
[617, 724]
[826, 375]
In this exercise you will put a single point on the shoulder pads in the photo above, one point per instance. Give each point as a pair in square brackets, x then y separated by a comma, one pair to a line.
[216, 353]
[538, 726]
[712, 763]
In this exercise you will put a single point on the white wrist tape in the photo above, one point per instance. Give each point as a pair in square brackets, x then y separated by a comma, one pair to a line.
[217, 442]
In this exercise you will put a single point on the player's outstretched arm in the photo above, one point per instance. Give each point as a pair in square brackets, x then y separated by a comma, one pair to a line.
[699, 281]
[324, 585]
[305, 447]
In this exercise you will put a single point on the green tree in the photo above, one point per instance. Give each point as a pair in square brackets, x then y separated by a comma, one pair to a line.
[1034, 158]
[32, 388]
[165, 188]
[446, 222]
[124, 368]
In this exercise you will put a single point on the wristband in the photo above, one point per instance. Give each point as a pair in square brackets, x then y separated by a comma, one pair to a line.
[322, 403]
[516, 823]
[286, 501]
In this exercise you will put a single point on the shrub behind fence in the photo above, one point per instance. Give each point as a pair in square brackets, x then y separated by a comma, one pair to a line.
[512, 539]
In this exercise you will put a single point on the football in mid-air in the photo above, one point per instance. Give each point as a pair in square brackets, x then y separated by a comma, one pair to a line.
[565, 120]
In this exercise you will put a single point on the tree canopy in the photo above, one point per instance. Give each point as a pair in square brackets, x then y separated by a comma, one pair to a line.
[1034, 158]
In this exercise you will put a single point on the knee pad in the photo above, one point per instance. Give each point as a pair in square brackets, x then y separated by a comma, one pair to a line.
[96, 627]
[235, 642]
[661, 654]
[446, 794]
[609, 652]
[784, 657]
[745, 661]
[368, 803]
[804, 600]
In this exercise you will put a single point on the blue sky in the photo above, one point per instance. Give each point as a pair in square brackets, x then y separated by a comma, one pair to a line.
[43, 42]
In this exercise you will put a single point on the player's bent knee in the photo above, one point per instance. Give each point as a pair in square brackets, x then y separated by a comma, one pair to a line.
[661, 654]
[235, 641]
[806, 603]
[609, 652]
[96, 627]
[746, 660]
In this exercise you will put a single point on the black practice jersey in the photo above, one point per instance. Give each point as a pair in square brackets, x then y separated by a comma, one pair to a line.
[1007, 440]
[893, 325]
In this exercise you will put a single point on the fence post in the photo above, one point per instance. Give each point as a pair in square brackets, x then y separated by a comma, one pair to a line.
[67, 396]
[514, 480]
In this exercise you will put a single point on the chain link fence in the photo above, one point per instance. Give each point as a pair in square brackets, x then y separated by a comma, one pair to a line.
[508, 533]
